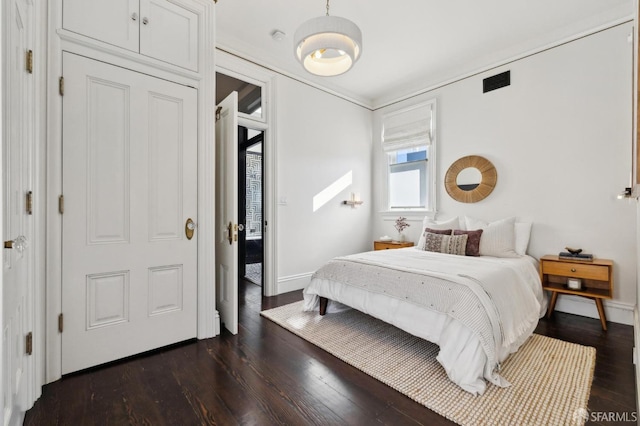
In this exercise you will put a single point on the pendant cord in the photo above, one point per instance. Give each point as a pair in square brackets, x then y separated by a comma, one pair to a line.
[327, 7]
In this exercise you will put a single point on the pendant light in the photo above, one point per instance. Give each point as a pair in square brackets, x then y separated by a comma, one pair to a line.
[328, 45]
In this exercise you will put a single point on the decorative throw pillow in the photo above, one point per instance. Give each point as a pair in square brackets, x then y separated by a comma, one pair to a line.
[453, 223]
[432, 231]
[498, 238]
[448, 244]
[473, 241]
[439, 231]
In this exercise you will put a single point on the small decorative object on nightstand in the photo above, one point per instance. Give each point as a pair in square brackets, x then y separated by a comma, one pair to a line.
[574, 283]
[401, 224]
[387, 245]
[593, 279]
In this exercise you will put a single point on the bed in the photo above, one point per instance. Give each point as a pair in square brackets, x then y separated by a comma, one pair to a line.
[478, 309]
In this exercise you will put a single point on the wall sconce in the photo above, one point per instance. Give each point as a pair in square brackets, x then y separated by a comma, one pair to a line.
[627, 193]
[354, 201]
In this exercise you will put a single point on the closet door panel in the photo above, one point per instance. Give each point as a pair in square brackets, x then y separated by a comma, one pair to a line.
[114, 21]
[169, 32]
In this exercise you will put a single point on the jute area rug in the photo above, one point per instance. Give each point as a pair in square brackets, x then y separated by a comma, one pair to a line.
[550, 379]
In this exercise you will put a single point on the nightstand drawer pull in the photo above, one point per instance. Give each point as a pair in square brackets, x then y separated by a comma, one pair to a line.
[573, 269]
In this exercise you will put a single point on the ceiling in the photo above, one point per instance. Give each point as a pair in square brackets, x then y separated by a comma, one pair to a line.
[409, 45]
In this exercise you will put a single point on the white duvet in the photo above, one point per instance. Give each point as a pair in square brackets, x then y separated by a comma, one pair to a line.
[477, 309]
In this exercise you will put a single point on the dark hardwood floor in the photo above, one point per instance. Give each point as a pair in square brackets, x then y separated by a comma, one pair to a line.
[265, 375]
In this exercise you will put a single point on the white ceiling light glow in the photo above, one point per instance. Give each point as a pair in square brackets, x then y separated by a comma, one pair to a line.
[328, 45]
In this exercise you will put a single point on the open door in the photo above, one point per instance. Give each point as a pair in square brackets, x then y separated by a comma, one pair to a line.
[17, 286]
[227, 211]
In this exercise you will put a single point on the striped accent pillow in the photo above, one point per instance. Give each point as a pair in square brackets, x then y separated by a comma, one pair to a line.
[498, 238]
[448, 244]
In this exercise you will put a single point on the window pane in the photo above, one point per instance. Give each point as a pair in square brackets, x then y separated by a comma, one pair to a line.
[408, 178]
[405, 189]
[407, 155]
[249, 95]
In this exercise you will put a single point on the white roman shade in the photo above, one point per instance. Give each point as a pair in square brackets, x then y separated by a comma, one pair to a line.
[407, 127]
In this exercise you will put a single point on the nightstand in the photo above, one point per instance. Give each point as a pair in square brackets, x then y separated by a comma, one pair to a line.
[596, 276]
[388, 245]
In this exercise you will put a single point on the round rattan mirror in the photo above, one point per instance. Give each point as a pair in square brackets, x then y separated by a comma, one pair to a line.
[462, 182]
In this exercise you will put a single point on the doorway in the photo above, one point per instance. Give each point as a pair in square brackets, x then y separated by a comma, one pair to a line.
[250, 205]
[251, 218]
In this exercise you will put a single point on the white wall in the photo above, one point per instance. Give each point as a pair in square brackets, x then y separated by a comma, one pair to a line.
[560, 138]
[320, 138]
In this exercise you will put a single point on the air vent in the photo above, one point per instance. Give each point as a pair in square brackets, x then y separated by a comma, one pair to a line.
[496, 82]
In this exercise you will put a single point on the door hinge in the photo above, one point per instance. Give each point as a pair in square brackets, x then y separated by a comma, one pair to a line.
[61, 204]
[60, 323]
[218, 113]
[29, 61]
[61, 86]
[29, 202]
[29, 344]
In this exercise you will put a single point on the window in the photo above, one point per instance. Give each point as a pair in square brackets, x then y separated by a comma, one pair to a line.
[408, 179]
[249, 95]
[408, 141]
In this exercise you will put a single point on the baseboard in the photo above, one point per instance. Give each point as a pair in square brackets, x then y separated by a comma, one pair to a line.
[636, 347]
[293, 282]
[618, 312]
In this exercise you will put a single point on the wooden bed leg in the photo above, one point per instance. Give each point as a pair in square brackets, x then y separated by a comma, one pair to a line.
[323, 305]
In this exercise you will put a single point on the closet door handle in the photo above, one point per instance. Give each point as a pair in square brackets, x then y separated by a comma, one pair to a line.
[189, 228]
[145, 20]
[134, 16]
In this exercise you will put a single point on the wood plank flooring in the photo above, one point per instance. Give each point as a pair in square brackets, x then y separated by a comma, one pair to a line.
[265, 375]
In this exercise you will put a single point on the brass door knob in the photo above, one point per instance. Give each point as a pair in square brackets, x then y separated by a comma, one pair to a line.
[189, 228]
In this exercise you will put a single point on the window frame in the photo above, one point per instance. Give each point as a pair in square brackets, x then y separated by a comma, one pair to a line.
[432, 195]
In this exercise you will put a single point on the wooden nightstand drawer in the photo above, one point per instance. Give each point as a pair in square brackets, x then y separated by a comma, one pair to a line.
[577, 270]
[389, 245]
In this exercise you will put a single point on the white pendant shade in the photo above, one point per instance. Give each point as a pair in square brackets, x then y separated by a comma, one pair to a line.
[328, 45]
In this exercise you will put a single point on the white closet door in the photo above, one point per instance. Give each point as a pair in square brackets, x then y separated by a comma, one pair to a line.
[114, 21]
[129, 181]
[169, 32]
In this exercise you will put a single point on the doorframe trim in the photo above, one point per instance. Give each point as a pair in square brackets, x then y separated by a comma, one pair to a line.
[208, 319]
[53, 294]
[40, 189]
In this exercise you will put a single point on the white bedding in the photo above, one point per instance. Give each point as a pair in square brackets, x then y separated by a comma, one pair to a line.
[472, 344]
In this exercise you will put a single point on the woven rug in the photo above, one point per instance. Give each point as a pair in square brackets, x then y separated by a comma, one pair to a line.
[550, 379]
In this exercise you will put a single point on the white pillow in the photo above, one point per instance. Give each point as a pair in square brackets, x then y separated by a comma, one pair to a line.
[427, 222]
[523, 232]
[498, 238]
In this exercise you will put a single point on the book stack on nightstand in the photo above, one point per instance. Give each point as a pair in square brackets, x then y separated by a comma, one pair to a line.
[575, 257]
